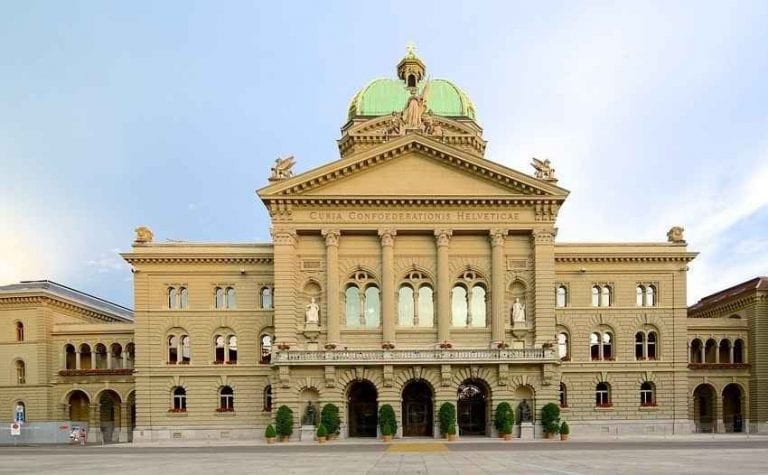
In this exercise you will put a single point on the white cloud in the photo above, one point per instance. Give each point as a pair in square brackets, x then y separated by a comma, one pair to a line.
[108, 262]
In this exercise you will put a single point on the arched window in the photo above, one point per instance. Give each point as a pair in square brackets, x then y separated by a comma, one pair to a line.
[101, 356]
[179, 399]
[605, 296]
[639, 295]
[652, 349]
[219, 298]
[266, 349]
[219, 349]
[647, 394]
[130, 355]
[639, 346]
[172, 298]
[405, 306]
[477, 308]
[562, 346]
[561, 296]
[173, 349]
[601, 346]
[469, 303]
[563, 395]
[266, 298]
[411, 80]
[710, 351]
[20, 412]
[183, 298]
[646, 295]
[738, 351]
[70, 357]
[19, 331]
[425, 310]
[595, 296]
[697, 351]
[362, 301]
[232, 349]
[602, 395]
[268, 398]
[226, 399]
[724, 351]
[21, 372]
[116, 355]
[86, 361]
[186, 350]
[459, 306]
[225, 349]
[231, 298]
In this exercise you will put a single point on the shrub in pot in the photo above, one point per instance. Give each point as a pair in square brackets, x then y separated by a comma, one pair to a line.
[270, 434]
[387, 417]
[329, 416]
[503, 414]
[451, 434]
[322, 433]
[550, 418]
[564, 431]
[447, 418]
[284, 422]
[387, 432]
[506, 429]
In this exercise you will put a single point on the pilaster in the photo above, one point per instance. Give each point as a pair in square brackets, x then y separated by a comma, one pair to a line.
[332, 286]
[388, 284]
[497, 238]
[443, 242]
[544, 277]
[285, 240]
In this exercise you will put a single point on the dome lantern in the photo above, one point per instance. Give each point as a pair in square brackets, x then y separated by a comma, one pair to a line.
[411, 69]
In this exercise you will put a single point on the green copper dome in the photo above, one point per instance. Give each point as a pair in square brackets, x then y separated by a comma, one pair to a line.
[385, 96]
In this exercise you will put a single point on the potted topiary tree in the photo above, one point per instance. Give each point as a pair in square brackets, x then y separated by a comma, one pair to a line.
[284, 423]
[447, 420]
[564, 431]
[507, 429]
[329, 416]
[270, 434]
[387, 418]
[387, 432]
[550, 419]
[503, 414]
[322, 433]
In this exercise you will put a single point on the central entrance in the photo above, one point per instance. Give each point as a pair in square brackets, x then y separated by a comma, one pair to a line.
[417, 410]
[472, 408]
[362, 415]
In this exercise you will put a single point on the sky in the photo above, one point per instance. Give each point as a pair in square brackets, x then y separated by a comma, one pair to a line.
[169, 114]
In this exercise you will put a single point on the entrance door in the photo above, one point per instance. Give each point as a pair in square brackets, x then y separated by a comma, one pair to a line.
[417, 410]
[472, 408]
[732, 419]
[362, 418]
[704, 408]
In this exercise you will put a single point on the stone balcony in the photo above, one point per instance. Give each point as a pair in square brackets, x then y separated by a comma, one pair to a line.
[410, 357]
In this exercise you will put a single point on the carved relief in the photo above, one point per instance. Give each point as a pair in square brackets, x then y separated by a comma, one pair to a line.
[544, 170]
[331, 237]
[443, 237]
[675, 235]
[284, 236]
[387, 236]
[143, 235]
[497, 237]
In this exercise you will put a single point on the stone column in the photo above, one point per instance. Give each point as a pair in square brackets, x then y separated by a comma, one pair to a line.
[124, 422]
[717, 352]
[498, 265]
[77, 359]
[109, 358]
[93, 358]
[544, 277]
[333, 315]
[94, 423]
[388, 284]
[285, 240]
[730, 351]
[443, 238]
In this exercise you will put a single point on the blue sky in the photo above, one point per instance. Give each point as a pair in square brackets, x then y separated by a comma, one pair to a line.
[169, 114]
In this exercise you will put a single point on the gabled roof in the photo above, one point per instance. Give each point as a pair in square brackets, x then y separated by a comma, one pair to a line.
[513, 183]
[104, 308]
[752, 285]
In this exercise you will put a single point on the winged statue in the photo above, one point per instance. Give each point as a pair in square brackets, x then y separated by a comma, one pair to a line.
[544, 170]
[283, 168]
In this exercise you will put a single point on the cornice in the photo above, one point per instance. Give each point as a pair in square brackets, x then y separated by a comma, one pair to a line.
[638, 257]
[431, 201]
[133, 258]
[62, 304]
[729, 307]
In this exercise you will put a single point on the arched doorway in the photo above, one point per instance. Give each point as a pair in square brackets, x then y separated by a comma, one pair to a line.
[362, 409]
[417, 410]
[109, 416]
[472, 408]
[732, 413]
[79, 406]
[704, 408]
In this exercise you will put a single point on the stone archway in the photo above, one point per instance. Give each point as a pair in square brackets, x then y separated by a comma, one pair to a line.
[79, 406]
[362, 407]
[704, 408]
[472, 408]
[732, 408]
[109, 416]
[417, 410]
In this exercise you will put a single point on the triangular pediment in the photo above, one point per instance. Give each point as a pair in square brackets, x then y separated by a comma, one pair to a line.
[413, 166]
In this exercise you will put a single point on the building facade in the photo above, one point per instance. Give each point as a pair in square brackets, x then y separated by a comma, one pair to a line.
[414, 271]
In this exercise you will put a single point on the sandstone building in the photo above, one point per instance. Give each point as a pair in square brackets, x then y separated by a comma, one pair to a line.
[412, 270]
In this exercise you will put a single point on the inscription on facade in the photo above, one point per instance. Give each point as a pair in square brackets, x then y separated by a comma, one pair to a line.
[413, 216]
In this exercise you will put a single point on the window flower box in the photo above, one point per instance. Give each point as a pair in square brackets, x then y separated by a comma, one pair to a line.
[231, 362]
[218, 362]
[225, 409]
[604, 405]
[330, 346]
[184, 362]
[648, 404]
[283, 346]
[502, 345]
[445, 345]
[177, 410]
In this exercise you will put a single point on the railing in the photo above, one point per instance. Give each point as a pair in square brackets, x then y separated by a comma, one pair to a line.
[96, 372]
[718, 365]
[414, 356]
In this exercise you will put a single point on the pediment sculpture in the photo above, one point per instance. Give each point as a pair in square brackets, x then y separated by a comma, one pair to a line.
[283, 168]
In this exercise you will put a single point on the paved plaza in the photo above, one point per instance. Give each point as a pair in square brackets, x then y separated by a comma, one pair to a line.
[673, 456]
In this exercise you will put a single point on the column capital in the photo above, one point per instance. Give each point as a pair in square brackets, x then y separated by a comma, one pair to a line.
[443, 236]
[282, 235]
[387, 236]
[331, 236]
[543, 235]
[497, 237]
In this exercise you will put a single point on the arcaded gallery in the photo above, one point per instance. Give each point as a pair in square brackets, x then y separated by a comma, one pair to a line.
[410, 271]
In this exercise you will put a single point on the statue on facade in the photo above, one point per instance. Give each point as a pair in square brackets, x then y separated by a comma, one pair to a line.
[415, 109]
[518, 311]
[524, 412]
[394, 125]
[675, 234]
[283, 168]
[544, 170]
[143, 235]
[313, 312]
[310, 415]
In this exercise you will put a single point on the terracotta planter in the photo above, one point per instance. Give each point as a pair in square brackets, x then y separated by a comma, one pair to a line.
[550, 435]
[387, 438]
[563, 437]
[507, 436]
[284, 438]
[270, 440]
[451, 437]
[321, 440]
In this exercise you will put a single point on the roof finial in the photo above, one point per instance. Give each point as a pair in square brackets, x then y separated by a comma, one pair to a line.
[410, 49]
